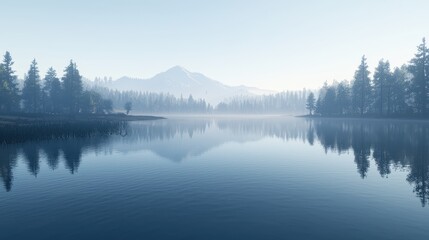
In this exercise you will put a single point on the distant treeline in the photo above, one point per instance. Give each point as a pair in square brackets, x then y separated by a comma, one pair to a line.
[154, 102]
[53, 95]
[290, 101]
[402, 92]
[284, 102]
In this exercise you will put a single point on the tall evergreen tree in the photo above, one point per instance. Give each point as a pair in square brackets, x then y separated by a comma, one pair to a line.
[419, 68]
[31, 93]
[343, 97]
[329, 102]
[399, 86]
[72, 88]
[56, 95]
[9, 92]
[47, 100]
[361, 90]
[2, 90]
[310, 105]
[382, 87]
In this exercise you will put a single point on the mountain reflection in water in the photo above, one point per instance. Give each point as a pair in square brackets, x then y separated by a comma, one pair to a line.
[392, 145]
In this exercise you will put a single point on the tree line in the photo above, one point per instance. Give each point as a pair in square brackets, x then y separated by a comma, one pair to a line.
[153, 102]
[284, 102]
[48, 95]
[403, 91]
[289, 101]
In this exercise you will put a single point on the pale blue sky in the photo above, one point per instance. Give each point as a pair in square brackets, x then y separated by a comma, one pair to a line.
[269, 44]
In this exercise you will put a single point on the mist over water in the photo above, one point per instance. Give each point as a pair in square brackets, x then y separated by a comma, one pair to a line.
[220, 120]
[222, 178]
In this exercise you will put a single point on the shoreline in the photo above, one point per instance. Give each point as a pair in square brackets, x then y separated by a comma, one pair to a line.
[22, 127]
[401, 118]
[19, 119]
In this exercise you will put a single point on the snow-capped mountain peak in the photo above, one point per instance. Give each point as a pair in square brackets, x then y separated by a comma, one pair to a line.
[181, 82]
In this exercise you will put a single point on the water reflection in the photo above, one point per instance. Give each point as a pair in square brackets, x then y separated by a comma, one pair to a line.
[70, 150]
[390, 145]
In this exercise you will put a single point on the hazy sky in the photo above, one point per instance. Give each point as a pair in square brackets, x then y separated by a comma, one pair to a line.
[269, 44]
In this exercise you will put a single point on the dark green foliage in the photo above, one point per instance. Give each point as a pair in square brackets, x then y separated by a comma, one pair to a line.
[54, 96]
[343, 98]
[329, 102]
[419, 68]
[31, 93]
[92, 102]
[403, 93]
[9, 92]
[361, 89]
[51, 92]
[383, 88]
[72, 88]
[398, 90]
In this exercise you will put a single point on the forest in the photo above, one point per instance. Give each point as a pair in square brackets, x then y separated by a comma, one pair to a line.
[150, 102]
[284, 102]
[401, 92]
[52, 95]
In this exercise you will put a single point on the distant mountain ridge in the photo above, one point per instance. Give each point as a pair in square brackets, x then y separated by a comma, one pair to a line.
[180, 82]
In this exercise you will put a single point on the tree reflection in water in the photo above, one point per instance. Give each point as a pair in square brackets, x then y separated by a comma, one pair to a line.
[389, 144]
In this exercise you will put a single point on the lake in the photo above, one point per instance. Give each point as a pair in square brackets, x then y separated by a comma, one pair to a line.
[222, 178]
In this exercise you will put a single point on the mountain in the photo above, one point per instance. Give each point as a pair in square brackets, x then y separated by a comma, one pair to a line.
[179, 81]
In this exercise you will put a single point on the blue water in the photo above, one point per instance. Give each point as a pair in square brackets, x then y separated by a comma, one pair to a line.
[222, 178]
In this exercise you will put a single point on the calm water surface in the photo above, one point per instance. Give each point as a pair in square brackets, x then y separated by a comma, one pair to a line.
[204, 178]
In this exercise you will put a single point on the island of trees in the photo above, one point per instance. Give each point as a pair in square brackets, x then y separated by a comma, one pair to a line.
[401, 92]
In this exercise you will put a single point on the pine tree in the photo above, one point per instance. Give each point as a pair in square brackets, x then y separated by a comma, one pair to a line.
[3, 95]
[361, 90]
[72, 88]
[382, 87]
[56, 96]
[47, 100]
[329, 102]
[31, 93]
[419, 68]
[343, 97]
[399, 86]
[9, 92]
[311, 103]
